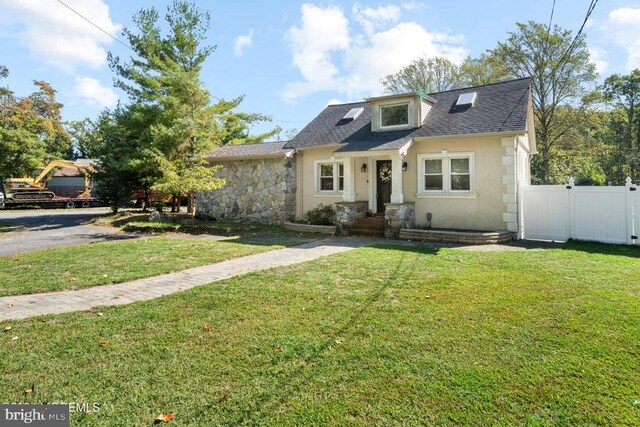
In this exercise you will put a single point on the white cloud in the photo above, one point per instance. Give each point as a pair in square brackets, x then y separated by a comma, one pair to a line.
[243, 42]
[622, 26]
[598, 57]
[413, 5]
[330, 56]
[58, 36]
[335, 101]
[94, 93]
[372, 19]
[322, 32]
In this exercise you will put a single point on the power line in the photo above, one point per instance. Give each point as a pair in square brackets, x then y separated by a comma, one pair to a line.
[132, 50]
[569, 50]
[553, 8]
[114, 37]
[95, 25]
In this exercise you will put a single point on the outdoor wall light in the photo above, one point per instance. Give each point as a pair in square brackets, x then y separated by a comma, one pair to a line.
[404, 167]
[363, 168]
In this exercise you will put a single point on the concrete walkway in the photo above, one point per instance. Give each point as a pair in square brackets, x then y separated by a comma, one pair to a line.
[23, 306]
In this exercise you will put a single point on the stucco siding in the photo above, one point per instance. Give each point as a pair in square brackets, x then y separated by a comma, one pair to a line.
[483, 210]
[309, 197]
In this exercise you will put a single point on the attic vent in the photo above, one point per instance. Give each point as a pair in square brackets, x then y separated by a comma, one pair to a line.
[467, 99]
[353, 114]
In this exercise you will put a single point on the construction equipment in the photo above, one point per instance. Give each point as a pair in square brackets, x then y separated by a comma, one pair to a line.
[20, 189]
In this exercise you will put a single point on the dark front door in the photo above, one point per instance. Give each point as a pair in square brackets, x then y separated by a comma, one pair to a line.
[383, 184]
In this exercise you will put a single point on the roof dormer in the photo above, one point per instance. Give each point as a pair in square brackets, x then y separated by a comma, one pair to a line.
[399, 112]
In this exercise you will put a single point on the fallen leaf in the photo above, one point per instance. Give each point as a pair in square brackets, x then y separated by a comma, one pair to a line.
[223, 398]
[206, 328]
[278, 349]
[164, 418]
[105, 275]
[7, 328]
[72, 279]
[9, 305]
[104, 343]
[338, 342]
[30, 389]
[14, 339]
[100, 314]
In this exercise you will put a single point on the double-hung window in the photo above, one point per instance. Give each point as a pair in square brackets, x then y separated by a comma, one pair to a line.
[445, 173]
[330, 177]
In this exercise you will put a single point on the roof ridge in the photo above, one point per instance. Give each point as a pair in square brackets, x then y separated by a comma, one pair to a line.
[486, 84]
[253, 143]
[346, 103]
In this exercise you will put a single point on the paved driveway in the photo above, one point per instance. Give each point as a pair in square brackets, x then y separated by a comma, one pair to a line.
[42, 229]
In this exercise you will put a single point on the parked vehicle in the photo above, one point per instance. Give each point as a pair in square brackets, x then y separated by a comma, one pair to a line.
[36, 188]
[28, 191]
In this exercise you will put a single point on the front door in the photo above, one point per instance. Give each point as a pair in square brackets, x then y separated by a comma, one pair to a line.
[383, 184]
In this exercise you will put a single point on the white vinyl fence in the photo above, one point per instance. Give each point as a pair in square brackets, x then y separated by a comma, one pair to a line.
[561, 212]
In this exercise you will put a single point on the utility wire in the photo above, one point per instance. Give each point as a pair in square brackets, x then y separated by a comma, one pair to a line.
[98, 27]
[113, 37]
[553, 8]
[569, 50]
[132, 50]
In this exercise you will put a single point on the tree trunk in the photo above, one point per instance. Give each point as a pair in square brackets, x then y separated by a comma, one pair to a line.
[145, 201]
[191, 204]
[173, 203]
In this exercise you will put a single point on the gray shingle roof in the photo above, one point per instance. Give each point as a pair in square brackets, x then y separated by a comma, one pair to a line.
[500, 107]
[266, 149]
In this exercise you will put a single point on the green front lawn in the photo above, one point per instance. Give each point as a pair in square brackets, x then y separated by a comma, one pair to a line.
[393, 335]
[114, 262]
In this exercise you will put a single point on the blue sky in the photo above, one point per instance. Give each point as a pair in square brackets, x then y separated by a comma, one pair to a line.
[289, 58]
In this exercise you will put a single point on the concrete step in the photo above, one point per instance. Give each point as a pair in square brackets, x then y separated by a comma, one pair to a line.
[366, 232]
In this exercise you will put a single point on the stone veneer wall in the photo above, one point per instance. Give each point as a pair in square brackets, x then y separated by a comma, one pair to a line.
[348, 212]
[398, 216]
[260, 190]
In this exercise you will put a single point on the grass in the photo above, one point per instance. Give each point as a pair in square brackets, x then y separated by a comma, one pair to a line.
[136, 221]
[114, 262]
[393, 335]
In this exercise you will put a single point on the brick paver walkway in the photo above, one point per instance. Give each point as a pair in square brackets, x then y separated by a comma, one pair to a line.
[23, 306]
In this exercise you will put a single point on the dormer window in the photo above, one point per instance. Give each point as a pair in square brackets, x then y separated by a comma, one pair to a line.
[396, 115]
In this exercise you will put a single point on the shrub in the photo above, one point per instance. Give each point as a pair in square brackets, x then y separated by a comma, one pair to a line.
[321, 215]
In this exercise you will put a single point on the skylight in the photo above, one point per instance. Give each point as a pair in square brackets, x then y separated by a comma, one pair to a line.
[467, 99]
[353, 114]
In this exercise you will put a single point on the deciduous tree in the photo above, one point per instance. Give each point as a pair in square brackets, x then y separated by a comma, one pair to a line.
[425, 76]
[560, 72]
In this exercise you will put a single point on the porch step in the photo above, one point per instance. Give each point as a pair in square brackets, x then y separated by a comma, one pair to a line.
[371, 220]
[369, 226]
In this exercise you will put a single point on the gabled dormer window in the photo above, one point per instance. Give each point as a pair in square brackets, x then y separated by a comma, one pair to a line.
[395, 115]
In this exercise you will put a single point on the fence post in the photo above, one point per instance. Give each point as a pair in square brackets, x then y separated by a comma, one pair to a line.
[571, 221]
[631, 214]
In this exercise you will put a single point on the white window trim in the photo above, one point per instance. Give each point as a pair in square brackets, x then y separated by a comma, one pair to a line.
[336, 177]
[402, 126]
[446, 157]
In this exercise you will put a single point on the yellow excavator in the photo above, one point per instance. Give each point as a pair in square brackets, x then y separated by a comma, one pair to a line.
[36, 188]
